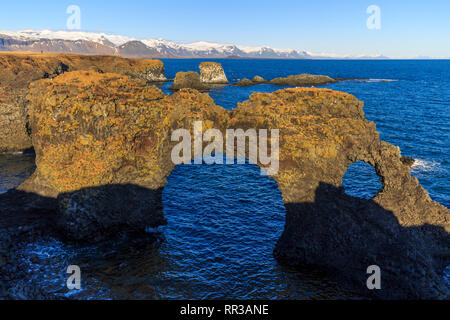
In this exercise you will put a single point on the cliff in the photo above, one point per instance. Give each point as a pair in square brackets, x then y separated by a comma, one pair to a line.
[97, 134]
[18, 70]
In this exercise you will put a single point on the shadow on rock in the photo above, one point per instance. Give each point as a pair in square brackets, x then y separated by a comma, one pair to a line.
[346, 235]
[87, 215]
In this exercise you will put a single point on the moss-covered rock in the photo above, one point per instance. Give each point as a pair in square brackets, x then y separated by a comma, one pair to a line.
[18, 70]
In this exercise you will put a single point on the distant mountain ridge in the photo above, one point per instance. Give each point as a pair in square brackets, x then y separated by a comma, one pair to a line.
[100, 43]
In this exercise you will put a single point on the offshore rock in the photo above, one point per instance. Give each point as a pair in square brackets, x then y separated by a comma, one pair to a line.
[212, 73]
[190, 80]
[258, 79]
[244, 83]
[96, 131]
[18, 70]
[302, 80]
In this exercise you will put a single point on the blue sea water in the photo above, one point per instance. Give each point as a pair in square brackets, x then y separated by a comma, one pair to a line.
[224, 221]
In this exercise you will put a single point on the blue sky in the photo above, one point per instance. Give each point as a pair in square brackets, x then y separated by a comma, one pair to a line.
[408, 28]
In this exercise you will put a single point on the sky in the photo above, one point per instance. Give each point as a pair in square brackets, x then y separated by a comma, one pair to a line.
[407, 28]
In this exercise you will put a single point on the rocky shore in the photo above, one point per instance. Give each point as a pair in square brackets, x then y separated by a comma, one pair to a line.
[103, 144]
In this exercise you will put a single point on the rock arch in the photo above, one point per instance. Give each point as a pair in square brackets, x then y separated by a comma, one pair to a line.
[361, 180]
[93, 130]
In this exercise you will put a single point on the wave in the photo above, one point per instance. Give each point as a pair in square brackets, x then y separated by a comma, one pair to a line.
[371, 80]
[425, 165]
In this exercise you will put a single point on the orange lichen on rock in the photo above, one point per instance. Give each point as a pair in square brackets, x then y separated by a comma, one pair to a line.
[18, 70]
[102, 136]
[91, 129]
[313, 124]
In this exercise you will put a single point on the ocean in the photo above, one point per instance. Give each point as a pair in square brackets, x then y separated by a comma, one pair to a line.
[224, 221]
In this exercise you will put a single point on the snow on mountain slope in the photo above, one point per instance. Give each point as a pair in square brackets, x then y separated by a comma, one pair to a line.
[81, 42]
[67, 35]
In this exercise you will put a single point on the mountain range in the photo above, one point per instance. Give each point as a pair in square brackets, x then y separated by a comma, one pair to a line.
[100, 43]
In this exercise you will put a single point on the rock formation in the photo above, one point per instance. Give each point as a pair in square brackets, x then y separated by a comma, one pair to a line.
[94, 133]
[258, 79]
[294, 80]
[302, 80]
[188, 80]
[18, 70]
[212, 73]
[244, 83]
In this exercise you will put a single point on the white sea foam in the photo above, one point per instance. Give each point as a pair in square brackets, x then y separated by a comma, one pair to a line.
[425, 165]
[373, 80]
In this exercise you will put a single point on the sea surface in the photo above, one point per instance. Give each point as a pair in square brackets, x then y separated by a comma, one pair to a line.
[224, 221]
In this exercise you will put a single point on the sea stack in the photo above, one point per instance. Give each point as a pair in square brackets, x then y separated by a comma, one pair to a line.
[212, 73]
[188, 80]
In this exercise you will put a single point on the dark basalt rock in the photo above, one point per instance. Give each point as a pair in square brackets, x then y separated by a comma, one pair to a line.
[408, 161]
[96, 214]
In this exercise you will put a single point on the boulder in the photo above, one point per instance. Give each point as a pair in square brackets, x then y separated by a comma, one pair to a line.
[190, 80]
[212, 73]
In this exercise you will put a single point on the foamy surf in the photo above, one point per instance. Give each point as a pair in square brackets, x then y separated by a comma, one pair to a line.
[424, 165]
[370, 80]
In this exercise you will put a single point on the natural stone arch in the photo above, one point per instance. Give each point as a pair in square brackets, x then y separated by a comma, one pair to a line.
[361, 175]
[92, 131]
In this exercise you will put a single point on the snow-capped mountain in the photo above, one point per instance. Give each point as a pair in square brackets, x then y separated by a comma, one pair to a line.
[101, 43]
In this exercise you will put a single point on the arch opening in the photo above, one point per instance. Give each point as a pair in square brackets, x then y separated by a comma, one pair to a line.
[223, 224]
[362, 181]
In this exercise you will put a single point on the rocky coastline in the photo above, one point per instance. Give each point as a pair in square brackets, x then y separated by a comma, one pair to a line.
[19, 70]
[102, 141]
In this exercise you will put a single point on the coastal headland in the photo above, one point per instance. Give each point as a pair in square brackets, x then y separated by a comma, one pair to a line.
[101, 134]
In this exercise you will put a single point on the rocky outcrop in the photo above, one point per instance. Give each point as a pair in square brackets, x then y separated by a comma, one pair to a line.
[94, 130]
[18, 70]
[401, 230]
[300, 80]
[212, 73]
[94, 133]
[188, 80]
[258, 79]
[244, 83]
